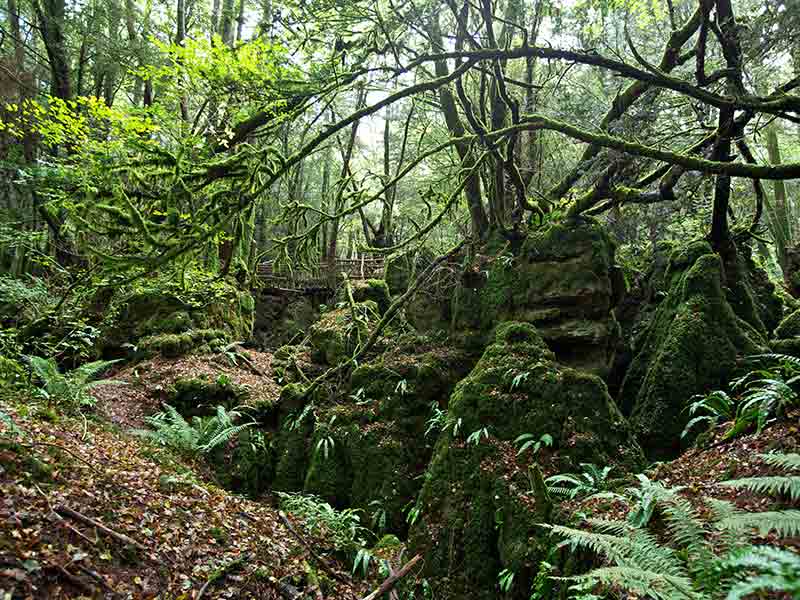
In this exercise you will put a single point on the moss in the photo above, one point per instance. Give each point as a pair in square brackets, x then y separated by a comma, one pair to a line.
[691, 346]
[200, 396]
[376, 290]
[789, 327]
[475, 515]
[786, 346]
[376, 435]
[335, 336]
[562, 278]
[750, 292]
[329, 474]
[295, 428]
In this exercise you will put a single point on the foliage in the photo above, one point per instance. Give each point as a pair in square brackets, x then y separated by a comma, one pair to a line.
[591, 481]
[200, 436]
[69, 390]
[529, 441]
[759, 396]
[777, 485]
[342, 529]
[706, 555]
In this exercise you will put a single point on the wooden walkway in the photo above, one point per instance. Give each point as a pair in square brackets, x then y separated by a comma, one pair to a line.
[324, 276]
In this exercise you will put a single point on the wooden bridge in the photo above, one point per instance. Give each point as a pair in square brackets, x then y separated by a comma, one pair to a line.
[321, 277]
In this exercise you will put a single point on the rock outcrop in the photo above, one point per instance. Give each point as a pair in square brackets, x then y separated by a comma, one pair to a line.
[476, 513]
[691, 346]
[562, 279]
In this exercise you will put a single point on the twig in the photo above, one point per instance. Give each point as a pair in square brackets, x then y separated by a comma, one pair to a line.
[392, 580]
[222, 572]
[75, 580]
[323, 563]
[98, 578]
[73, 514]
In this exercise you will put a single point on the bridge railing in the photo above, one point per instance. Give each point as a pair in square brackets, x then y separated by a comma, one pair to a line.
[324, 274]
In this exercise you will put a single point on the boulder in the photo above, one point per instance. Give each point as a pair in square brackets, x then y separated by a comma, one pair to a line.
[477, 511]
[691, 346]
[562, 279]
[369, 450]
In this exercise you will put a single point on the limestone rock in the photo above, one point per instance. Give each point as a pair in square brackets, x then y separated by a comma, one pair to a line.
[476, 514]
[563, 280]
[691, 346]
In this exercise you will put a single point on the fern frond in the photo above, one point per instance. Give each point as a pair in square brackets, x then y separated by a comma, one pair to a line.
[44, 368]
[786, 523]
[224, 436]
[777, 358]
[89, 371]
[786, 485]
[650, 584]
[789, 462]
[763, 569]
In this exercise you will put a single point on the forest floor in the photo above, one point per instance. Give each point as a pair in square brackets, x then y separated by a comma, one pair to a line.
[699, 473]
[169, 533]
[172, 534]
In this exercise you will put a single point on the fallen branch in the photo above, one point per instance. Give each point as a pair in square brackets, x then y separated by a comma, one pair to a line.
[98, 578]
[392, 580]
[73, 514]
[323, 563]
[75, 580]
[222, 572]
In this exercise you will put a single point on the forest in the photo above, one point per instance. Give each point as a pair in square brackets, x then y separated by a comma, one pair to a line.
[400, 299]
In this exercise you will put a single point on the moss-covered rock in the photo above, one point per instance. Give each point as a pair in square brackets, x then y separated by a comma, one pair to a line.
[376, 290]
[563, 280]
[280, 318]
[201, 395]
[789, 327]
[178, 344]
[787, 335]
[750, 292]
[476, 517]
[157, 320]
[370, 449]
[338, 332]
[691, 346]
[295, 428]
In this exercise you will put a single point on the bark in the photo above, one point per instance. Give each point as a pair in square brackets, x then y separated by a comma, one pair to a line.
[226, 28]
[477, 211]
[240, 21]
[51, 15]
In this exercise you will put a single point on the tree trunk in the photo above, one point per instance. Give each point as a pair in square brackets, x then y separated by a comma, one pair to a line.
[480, 223]
[240, 21]
[51, 14]
[226, 29]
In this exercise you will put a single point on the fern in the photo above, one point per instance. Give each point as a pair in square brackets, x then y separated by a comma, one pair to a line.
[790, 462]
[786, 485]
[71, 389]
[649, 584]
[708, 556]
[786, 523]
[202, 436]
[590, 482]
[762, 569]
